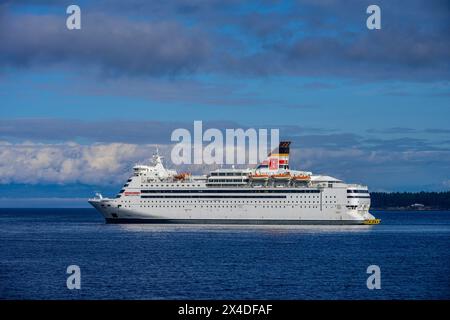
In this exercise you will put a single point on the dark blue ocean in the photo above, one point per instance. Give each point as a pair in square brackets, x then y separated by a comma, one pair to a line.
[412, 250]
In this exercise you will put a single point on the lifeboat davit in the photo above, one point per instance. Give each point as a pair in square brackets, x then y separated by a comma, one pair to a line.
[281, 176]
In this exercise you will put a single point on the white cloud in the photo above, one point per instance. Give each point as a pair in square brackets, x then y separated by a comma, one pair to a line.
[111, 163]
[68, 162]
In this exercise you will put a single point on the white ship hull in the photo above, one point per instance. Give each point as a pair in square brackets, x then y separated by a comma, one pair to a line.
[236, 216]
[289, 208]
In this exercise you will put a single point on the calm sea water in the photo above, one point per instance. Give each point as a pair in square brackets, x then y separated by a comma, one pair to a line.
[221, 262]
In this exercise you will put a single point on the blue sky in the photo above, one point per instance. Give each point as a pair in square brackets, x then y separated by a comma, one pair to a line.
[365, 105]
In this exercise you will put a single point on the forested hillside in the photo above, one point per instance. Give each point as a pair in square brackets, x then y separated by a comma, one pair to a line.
[435, 200]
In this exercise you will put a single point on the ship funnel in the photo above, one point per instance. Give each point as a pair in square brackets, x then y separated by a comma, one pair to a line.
[277, 158]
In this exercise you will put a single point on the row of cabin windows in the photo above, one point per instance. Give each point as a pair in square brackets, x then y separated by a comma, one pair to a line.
[239, 201]
[226, 180]
[225, 184]
[362, 197]
[228, 196]
[172, 185]
[301, 197]
[225, 206]
[231, 191]
[220, 201]
[291, 197]
[216, 201]
[228, 174]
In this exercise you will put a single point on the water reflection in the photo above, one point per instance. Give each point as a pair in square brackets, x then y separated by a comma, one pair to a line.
[272, 229]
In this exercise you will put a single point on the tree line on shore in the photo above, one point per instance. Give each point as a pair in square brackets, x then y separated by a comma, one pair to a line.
[435, 200]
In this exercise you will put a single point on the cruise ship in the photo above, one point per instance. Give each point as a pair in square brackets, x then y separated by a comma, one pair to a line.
[270, 193]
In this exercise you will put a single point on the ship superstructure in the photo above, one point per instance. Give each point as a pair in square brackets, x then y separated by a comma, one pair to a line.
[270, 193]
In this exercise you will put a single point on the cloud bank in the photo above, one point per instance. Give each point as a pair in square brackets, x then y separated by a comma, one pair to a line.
[110, 44]
[301, 38]
[67, 163]
[111, 163]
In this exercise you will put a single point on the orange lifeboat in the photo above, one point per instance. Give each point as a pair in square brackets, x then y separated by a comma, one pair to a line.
[281, 176]
[301, 178]
[259, 177]
[182, 176]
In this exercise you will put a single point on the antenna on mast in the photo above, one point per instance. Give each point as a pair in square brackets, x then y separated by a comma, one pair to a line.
[156, 157]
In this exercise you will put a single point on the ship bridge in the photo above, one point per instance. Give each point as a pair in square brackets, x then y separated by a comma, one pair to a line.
[228, 177]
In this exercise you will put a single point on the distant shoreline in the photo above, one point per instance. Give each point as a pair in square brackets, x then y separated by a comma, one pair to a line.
[410, 201]
[410, 209]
